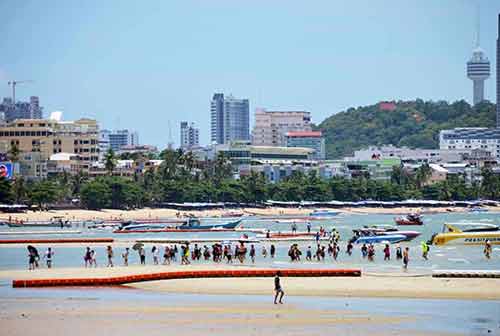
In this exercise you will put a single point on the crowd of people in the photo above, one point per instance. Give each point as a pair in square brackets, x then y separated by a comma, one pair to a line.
[226, 253]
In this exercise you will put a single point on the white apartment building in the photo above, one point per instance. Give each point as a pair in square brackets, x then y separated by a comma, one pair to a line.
[190, 136]
[271, 127]
[468, 139]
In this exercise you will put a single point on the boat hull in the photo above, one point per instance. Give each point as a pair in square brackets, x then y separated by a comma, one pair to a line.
[466, 238]
[380, 239]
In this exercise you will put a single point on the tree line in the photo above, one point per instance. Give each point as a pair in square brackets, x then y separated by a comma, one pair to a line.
[181, 178]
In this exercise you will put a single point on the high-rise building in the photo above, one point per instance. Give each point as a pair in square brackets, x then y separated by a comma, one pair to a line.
[271, 126]
[21, 110]
[498, 74]
[229, 119]
[478, 69]
[190, 136]
[117, 139]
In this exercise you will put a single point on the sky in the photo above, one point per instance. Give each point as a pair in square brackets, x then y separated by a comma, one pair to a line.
[145, 65]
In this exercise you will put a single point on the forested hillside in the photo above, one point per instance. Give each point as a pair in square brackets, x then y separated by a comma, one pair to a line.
[408, 123]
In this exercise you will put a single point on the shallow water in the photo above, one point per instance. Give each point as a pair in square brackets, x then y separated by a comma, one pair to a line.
[442, 257]
[362, 315]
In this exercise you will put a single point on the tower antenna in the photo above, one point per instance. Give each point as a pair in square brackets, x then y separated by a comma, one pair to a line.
[478, 24]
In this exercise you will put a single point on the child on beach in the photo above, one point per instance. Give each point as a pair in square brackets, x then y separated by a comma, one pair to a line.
[125, 257]
[406, 258]
[48, 257]
[110, 254]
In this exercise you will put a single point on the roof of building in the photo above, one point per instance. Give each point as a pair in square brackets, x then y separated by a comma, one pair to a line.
[308, 134]
[438, 168]
[280, 150]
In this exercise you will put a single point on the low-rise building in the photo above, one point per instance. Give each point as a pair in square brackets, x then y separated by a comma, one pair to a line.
[471, 138]
[310, 139]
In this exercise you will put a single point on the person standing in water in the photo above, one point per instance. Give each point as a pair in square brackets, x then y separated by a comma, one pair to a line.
[406, 258]
[487, 249]
[156, 252]
[425, 250]
[252, 253]
[272, 251]
[125, 257]
[110, 256]
[48, 257]
[387, 252]
[399, 253]
[277, 289]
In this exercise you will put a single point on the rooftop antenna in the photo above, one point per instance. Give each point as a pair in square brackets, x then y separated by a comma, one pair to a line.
[170, 140]
[478, 24]
[13, 83]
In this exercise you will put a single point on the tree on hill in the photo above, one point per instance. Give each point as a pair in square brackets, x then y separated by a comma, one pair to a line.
[415, 124]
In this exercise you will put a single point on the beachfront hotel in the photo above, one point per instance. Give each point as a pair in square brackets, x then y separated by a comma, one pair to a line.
[271, 126]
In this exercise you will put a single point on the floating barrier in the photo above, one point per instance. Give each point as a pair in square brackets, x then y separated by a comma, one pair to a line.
[57, 241]
[22, 233]
[465, 274]
[121, 280]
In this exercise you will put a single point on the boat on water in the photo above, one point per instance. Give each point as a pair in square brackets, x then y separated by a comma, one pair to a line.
[192, 224]
[385, 230]
[286, 234]
[467, 234]
[410, 219]
[324, 213]
[390, 238]
[54, 222]
[478, 209]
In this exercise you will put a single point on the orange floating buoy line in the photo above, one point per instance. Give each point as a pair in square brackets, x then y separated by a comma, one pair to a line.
[121, 280]
[56, 241]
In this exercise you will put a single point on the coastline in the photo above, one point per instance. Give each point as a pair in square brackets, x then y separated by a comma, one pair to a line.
[391, 285]
[157, 213]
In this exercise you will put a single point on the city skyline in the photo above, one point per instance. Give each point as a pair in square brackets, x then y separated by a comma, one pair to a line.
[115, 82]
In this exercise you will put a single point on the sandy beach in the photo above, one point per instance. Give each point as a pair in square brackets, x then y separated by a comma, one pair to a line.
[106, 214]
[394, 285]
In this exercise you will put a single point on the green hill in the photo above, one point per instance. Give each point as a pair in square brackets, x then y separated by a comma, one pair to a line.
[405, 123]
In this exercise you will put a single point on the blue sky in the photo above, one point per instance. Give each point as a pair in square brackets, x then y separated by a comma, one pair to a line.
[143, 64]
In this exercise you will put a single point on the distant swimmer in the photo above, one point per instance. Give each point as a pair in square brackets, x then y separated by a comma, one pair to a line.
[487, 249]
[48, 257]
[277, 289]
[406, 258]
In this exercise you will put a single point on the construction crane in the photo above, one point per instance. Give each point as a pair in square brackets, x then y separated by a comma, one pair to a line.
[14, 83]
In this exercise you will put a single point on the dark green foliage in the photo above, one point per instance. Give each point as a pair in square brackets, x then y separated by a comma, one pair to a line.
[415, 124]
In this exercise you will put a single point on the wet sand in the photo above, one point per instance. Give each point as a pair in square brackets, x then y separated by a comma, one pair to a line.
[395, 285]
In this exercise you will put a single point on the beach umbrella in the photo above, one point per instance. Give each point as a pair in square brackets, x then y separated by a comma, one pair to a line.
[137, 246]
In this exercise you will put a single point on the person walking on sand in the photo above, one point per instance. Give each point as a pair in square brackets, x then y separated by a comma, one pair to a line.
[110, 254]
[48, 257]
[278, 291]
[425, 250]
[125, 256]
[406, 258]
[487, 249]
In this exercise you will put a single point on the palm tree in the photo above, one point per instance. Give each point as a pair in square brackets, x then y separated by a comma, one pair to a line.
[77, 182]
[14, 152]
[19, 189]
[110, 161]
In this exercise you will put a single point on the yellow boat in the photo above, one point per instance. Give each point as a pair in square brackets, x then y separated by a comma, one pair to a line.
[467, 234]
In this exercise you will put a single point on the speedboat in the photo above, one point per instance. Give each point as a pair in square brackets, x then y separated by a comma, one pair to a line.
[192, 224]
[385, 230]
[324, 213]
[467, 234]
[392, 238]
[410, 219]
[478, 209]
